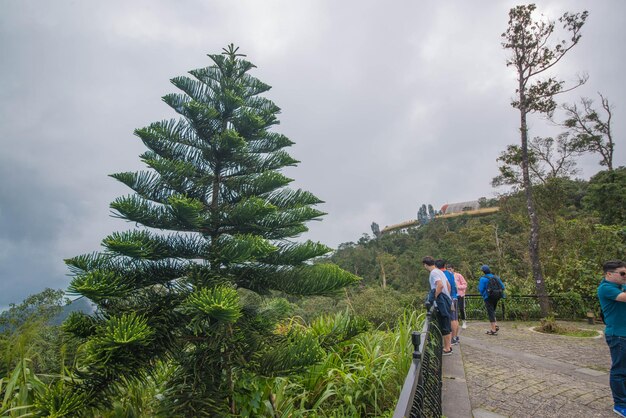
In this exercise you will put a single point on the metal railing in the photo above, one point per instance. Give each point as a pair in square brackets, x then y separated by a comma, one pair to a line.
[526, 307]
[421, 392]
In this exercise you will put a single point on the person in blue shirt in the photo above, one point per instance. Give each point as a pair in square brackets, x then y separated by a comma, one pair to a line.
[454, 312]
[491, 301]
[612, 297]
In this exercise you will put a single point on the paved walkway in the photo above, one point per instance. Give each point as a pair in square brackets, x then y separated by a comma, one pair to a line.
[521, 373]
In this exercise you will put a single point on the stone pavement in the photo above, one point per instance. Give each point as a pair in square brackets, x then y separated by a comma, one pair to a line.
[522, 373]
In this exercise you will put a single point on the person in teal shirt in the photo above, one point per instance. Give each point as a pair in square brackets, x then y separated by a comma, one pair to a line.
[612, 297]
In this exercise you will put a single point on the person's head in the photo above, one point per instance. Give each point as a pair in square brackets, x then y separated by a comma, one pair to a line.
[428, 262]
[450, 267]
[440, 264]
[615, 271]
[485, 268]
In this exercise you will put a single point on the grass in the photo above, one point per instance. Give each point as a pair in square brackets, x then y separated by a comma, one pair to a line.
[577, 332]
[550, 326]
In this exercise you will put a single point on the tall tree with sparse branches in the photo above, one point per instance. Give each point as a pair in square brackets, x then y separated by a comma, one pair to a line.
[532, 54]
[214, 221]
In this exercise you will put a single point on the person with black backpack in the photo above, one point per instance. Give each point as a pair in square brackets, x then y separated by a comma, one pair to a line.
[491, 289]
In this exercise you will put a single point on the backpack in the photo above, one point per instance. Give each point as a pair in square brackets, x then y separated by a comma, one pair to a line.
[494, 289]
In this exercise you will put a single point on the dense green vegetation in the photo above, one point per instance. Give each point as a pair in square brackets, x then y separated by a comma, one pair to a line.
[359, 368]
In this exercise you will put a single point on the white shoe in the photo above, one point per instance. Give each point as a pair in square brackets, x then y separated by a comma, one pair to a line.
[464, 326]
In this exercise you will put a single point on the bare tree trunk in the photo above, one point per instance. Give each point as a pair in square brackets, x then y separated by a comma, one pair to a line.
[498, 248]
[533, 240]
[382, 272]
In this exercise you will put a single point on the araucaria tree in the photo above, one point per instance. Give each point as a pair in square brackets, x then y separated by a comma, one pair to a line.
[532, 55]
[214, 225]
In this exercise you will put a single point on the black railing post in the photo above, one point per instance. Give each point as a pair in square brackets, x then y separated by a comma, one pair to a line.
[416, 339]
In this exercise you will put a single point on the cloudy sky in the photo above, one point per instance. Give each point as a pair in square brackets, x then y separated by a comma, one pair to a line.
[390, 104]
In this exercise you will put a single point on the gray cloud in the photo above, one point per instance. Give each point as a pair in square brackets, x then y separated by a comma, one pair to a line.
[390, 106]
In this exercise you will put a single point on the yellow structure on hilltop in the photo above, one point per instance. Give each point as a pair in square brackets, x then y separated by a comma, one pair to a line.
[471, 208]
[474, 212]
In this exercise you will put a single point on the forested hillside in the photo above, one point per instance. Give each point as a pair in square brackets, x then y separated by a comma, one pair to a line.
[582, 224]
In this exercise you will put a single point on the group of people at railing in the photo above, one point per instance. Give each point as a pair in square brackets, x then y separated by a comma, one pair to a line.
[447, 292]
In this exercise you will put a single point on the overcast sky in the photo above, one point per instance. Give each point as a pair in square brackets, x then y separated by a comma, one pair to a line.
[390, 104]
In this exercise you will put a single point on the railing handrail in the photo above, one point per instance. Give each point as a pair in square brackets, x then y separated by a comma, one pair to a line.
[407, 397]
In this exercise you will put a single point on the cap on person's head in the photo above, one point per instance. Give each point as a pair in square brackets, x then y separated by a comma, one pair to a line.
[485, 269]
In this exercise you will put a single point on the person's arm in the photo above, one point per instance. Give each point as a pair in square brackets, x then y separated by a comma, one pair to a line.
[439, 287]
[501, 283]
[611, 293]
[481, 285]
[461, 284]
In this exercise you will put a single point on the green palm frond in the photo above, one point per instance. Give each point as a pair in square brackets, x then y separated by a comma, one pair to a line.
[58, 401]
[220, 303]
[256, 184]
[195, 89]
[119, 337]
[289, 231]
[170, 150]
[288, 199]
[137, 209]
[128, 329]
[99, 284]
[318, 279]
[296, 253]
[240, 248]
[176, 173]
[177, 101]
[141, 244]
[340, 327]
[288, 223]
[248, 211]
[269, 142]
[147, 184]
[178, 130]
[87, 262]
[277, 160]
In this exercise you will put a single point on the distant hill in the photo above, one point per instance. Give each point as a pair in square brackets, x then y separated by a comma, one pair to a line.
[82, 304]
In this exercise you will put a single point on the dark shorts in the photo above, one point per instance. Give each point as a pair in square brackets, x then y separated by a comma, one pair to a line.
[444, 324]
[454, 314]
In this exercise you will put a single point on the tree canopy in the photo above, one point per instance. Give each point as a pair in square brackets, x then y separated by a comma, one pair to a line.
[213, 216]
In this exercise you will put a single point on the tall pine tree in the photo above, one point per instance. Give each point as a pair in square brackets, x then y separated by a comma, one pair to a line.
[214, 219]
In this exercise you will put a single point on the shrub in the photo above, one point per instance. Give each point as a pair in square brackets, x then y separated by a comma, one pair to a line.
[382, 307]
[568, 305]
